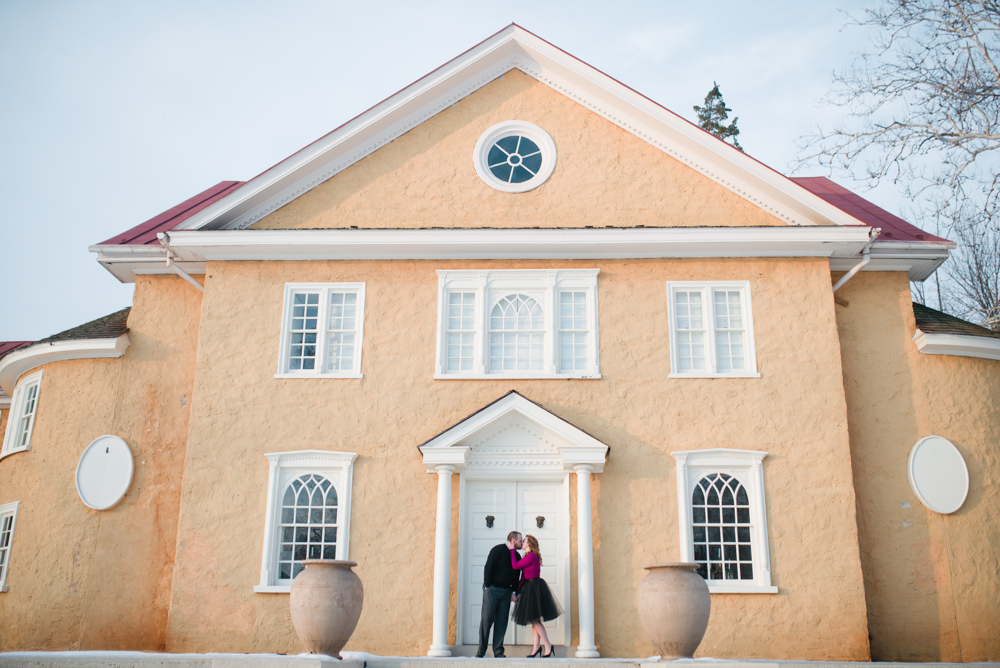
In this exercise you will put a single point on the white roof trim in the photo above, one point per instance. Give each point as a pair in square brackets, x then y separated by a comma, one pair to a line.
[515, 48]
[576, 243]
[957, 344]
[443, 449]
[22, 360]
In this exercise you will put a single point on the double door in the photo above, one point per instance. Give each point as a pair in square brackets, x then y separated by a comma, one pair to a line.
[539, 508]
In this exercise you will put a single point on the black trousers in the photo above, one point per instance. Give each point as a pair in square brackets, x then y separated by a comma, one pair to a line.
[496, 613]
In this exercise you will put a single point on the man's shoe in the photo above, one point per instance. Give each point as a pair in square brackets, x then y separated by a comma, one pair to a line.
[501, 655]
[480, 656]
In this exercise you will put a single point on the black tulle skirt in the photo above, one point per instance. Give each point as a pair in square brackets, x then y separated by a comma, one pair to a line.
[535, 602]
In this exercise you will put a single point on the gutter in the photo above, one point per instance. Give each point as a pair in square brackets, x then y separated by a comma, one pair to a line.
[164, 238]
[866, 258]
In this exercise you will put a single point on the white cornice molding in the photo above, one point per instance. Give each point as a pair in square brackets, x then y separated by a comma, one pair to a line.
[17, 363]
[960, 345]
[576, 243]
[579, 447]
[841, 244]
[515, 48]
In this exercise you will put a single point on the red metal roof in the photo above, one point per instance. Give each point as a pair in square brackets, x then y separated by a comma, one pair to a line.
[893, 227]
[145, 233]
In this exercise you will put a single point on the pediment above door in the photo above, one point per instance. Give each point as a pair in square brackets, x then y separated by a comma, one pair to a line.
[514, 433]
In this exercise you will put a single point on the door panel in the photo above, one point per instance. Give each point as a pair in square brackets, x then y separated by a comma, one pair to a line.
[514, 506]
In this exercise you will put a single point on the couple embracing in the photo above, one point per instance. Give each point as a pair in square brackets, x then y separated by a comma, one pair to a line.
[509, 578]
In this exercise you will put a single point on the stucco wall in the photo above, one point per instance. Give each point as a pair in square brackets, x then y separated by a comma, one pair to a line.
[604, 176]
[79, 578]
[242, 412]
[933, 589]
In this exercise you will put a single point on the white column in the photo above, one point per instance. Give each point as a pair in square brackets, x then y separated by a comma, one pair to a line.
[442, 564]
[585, 563]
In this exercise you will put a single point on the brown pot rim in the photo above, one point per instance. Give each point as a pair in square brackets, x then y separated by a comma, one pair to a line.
[332, 562]
[670, 564]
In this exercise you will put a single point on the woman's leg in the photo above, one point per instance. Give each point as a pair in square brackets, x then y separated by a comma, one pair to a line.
[539, 628]
[535, 639]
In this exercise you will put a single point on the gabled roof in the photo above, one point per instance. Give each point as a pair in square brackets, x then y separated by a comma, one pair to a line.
[516, 48]
[145, 233]
[893, 227]
[809, 203]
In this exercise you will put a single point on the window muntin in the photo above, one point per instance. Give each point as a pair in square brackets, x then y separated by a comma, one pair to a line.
[514, 156]
[514, 159]
[573, 330]
[721, 528]
[517, 335]
[723, 522]
[711, 332]
[308, 524]
[517, 323]
[308, 513]
[322, 332]
[21, 418]
[8, 521]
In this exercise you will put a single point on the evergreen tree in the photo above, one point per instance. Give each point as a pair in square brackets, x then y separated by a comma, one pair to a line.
[713, 116]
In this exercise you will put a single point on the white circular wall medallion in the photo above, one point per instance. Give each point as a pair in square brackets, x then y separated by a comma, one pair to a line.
[104, 473]
[515, 156]
[938, 474]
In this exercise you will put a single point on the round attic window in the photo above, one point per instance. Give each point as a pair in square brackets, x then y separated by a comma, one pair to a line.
[104, 473]
[938, 474]
[514, 156]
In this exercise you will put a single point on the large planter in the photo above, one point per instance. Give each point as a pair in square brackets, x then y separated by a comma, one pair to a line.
[674, 605]
[326, 602]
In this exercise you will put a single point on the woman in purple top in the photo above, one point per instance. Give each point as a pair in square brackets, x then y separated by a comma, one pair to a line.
[535, 603]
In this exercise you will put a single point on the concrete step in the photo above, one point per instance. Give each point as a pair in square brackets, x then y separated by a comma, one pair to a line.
[364, 660]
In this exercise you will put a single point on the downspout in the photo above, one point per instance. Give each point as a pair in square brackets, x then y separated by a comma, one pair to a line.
[865, 259]
[164, 239]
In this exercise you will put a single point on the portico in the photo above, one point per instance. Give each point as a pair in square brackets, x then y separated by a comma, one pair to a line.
[514, 459]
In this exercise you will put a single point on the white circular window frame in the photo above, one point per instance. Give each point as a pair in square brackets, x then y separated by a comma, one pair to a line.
[507, 129]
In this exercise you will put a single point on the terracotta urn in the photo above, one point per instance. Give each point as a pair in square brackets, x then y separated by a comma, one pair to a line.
[674, 605]
[326, 602]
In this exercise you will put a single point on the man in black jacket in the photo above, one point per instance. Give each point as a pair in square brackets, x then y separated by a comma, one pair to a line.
[499, 590]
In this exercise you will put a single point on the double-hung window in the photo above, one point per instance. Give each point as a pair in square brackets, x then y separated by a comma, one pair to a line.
[308, 514]
[322, 330]
[8, 520]
[536, 323]
[711, 330]
[723, 521]
[21, 418]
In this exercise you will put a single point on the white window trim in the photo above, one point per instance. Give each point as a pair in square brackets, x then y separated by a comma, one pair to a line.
[8, 509]
[747, 467]
[486, 285]
[711, 361]
[506, 129]
[339, 468]
[286, 320]
[15, 414]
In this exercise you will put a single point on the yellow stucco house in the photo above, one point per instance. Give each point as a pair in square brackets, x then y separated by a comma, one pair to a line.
[515, 294]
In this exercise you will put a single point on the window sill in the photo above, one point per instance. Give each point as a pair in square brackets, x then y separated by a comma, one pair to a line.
[714, 375]
[272, 589]
[741, 589]
[318, 375]
[8, 453]
[519, 376]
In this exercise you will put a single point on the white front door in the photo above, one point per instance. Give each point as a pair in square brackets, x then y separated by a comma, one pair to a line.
[514, 506]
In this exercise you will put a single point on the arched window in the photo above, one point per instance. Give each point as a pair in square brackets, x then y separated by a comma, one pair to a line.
[517, 335]
[720, 523]
[308, 525]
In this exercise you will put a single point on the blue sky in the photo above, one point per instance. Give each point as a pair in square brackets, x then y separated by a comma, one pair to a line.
[114, 111]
